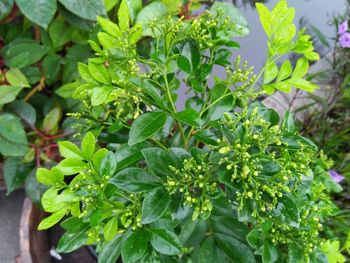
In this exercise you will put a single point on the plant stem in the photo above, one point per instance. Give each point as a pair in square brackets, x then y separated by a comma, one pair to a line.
[174, 110]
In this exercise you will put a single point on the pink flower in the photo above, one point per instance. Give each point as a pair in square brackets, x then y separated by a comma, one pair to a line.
[343, 27]
[344, 40]
[336, 177]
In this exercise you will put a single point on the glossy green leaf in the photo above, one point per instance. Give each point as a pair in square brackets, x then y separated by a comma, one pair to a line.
[288, 124]
[134, 246]
[253, 237]
[16, 78]
[71, 166]
[13, 140]
[88, 145]
[158, 161]
[8, 93]
[209, 252]
[184, 64]
[165, 241]
[234, 249]
[87, 9]
[111, 250]
[72, 241]
[135, 180]
[69, 150]
[127, 155]
[145, 126]
[39, 12]
[287, 212]
[193, 233]
[189, 116]
[154, 205]
[52, 219]
[270, 253]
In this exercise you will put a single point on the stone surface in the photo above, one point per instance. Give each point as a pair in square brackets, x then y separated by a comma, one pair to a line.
[10, 215]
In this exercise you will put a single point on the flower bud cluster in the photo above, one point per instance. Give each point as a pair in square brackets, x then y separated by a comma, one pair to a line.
[195, 183]
[259, 164]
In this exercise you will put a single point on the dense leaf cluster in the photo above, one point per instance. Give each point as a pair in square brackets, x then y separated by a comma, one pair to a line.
[219, 180]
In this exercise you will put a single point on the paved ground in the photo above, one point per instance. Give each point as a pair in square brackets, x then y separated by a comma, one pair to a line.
[10, 214]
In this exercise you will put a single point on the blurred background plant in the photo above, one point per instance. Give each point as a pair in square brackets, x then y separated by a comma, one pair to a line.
[328, 123]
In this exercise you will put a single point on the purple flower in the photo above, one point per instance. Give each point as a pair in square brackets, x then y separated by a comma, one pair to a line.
[336, 177]
[344, 40]
[343, 27]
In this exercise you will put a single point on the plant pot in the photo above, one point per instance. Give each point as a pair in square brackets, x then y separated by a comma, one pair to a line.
[35, 245]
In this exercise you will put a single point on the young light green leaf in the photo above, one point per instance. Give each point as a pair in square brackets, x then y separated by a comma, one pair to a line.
[302, 84]
[145, 126]
[110, 229]
[301, 68]
[271, 72]
[8, 93]
[285, 71]
[99, 73]
[52, 219]
[15, 77]
[71, 166]
[88, 145]
[109, 27]
[69, 150]
[265, 18]
[124, 16]
[154, 205]
[51, 120]
[84, 73]
[49, 178]
[165, 241]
